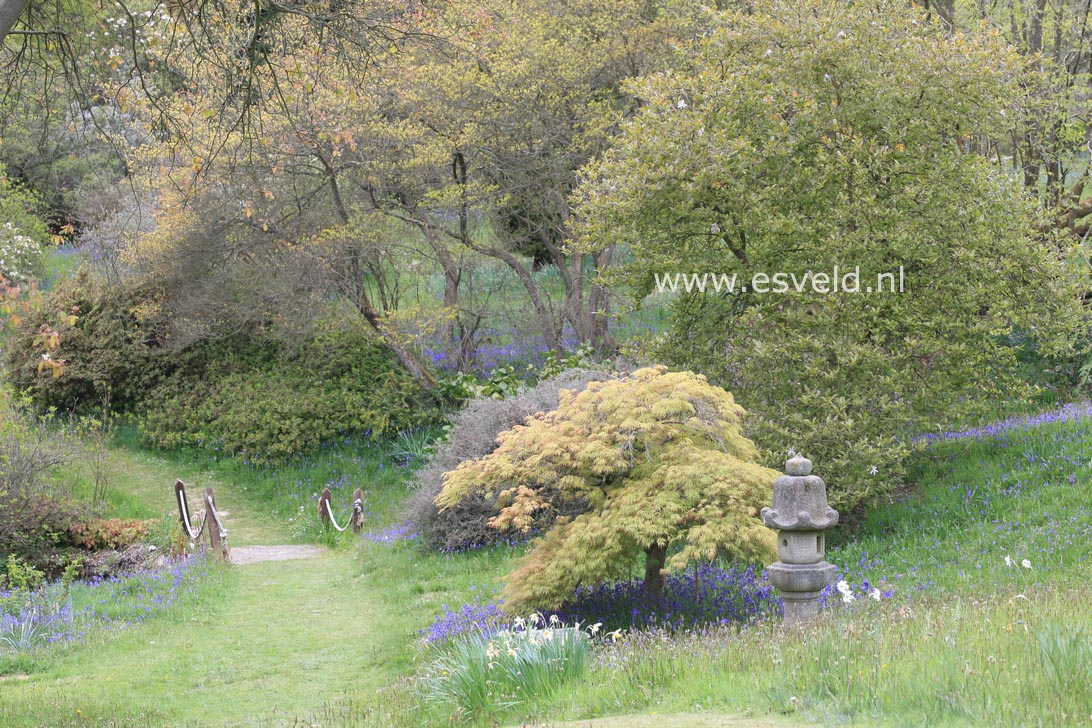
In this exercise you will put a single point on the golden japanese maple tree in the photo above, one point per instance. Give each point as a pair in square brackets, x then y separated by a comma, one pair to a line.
[660, 466]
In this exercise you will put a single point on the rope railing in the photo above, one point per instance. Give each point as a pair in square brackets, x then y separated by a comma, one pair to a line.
[217, 535]
[356, 515]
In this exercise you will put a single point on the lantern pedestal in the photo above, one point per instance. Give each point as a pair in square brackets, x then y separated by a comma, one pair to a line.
[800, 514]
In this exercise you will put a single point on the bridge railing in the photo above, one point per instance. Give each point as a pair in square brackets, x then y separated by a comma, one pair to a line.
[210, 520]
[356, 514]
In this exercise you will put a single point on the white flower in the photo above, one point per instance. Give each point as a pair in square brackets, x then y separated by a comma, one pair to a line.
[875, 594]
[1026, 564]
[1008, 561]
[873, 470]
[681, 104]
[768, 53]
[595, 627]
[554, 619]
[841, 34]
[519, 622]
[846, 590]
[792, 452]
[714, 228]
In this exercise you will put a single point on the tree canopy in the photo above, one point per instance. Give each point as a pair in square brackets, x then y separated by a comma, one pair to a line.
[809, 135]
[657, 459]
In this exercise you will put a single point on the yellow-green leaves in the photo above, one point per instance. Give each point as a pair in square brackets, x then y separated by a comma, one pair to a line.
[657, 457]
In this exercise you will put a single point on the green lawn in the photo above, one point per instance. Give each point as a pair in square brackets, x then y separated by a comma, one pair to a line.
[965, 639]
[315, 641]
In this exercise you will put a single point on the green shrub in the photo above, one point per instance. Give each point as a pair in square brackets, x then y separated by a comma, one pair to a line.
[23, 233]
[22, 208]
[817, 137]
[110, 343]
[342, 382]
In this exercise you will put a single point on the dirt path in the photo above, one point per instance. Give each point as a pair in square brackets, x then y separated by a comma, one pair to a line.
[241, 555]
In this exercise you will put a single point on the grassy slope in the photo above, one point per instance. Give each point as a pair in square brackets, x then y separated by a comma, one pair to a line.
[266, 644]
[966, 640]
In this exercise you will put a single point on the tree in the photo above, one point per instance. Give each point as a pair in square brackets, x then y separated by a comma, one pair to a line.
[809, 135]
[657, 460]
[506, 115]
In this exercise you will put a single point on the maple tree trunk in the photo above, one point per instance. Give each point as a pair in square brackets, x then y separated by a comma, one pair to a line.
[655, 558]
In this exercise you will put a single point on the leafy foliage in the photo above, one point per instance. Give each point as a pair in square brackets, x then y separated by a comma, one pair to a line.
[484, 672]
[340, 383]
[819, 134]
[110, 533]
[473, 434]
[108, 343]
[658, 458]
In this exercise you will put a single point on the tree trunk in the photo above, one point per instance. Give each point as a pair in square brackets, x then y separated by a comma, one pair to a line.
[655, 558]
[10, 10]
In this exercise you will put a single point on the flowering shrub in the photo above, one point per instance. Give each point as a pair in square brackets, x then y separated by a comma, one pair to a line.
[20, 255]
[483, 672]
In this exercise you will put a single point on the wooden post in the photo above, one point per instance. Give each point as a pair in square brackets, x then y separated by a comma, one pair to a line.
[219, 545]
[358, 510]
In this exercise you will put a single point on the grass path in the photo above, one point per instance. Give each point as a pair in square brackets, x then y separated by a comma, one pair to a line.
[269, 644]
[674, 720]
[149, 481]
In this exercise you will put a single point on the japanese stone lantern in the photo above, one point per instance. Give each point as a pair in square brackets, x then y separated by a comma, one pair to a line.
[800, 514]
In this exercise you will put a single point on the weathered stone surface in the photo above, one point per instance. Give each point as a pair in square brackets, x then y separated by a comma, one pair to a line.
[801, 547]
[800, 504]
[800, 513]
[798, 465]
[797, 580]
